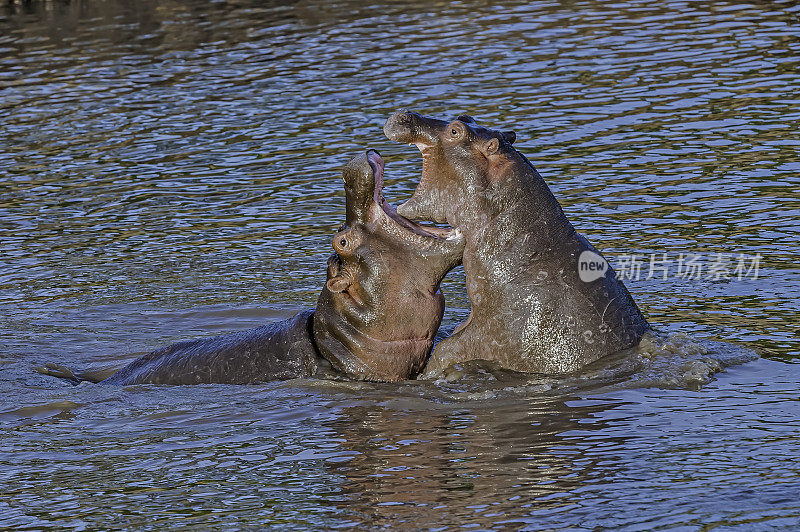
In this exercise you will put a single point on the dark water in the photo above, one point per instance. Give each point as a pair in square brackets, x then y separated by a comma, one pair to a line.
[171, 170]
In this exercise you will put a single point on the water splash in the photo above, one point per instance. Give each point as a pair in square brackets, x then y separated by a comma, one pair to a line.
[667, 361]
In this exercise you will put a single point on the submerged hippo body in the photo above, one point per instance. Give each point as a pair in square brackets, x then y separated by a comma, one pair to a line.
[278, 351]
[375, 318]
[530, 310]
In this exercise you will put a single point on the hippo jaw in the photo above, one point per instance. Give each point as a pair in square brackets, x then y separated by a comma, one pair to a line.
[460, 159]
[429, 201]
[381, 306]
[450, 240]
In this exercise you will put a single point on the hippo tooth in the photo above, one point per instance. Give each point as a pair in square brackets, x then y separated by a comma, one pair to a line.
[456, 233]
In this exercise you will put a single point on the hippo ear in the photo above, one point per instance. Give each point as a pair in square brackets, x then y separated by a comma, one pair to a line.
[492, 146]
[467, 119]
[509, 136]
[338, 284]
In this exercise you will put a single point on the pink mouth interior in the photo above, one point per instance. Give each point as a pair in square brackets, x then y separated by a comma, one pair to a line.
[377, 164]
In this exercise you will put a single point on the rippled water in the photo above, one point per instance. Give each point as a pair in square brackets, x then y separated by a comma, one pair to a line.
[171, 170]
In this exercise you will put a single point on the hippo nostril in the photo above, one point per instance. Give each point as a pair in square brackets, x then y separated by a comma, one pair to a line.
[403, 116]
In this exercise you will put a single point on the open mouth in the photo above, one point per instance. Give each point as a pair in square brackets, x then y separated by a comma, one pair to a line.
[377, 164]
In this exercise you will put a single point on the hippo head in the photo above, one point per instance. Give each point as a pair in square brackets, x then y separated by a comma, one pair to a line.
[458, 157]
[381, 305]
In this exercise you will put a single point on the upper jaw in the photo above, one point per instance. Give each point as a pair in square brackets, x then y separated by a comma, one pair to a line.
[424, 133]
[413, 128]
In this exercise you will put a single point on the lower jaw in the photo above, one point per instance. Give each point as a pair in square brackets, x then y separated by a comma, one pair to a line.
[366, 358]
[419, 229]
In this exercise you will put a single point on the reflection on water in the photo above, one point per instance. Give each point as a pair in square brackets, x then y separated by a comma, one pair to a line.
[171, 170]
[348, 454]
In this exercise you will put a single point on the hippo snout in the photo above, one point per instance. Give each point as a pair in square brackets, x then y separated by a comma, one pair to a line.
[399, 127]
[413, 128]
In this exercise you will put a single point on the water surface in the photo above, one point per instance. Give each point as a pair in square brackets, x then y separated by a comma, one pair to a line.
[170, 170]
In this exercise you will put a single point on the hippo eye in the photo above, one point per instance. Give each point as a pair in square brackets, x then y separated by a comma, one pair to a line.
[454, 132]
[343, 242]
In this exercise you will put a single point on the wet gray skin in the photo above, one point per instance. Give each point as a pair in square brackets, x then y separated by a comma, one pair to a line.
[375, 318]
[530, 309]
[381, 307]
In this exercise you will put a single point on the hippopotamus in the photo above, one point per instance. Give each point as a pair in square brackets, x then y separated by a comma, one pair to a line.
[530, 309]
[375, 319]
